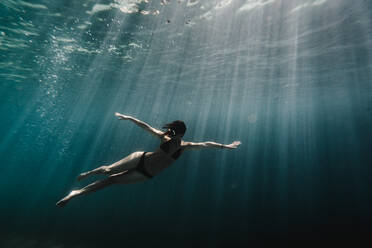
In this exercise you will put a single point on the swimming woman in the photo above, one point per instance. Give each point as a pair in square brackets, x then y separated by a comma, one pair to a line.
[141, 166]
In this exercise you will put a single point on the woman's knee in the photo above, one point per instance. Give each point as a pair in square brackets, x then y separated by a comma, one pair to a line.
[136, 154]
[104, 169]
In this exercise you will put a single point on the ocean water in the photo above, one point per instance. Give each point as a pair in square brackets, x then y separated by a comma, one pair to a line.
[290, 79]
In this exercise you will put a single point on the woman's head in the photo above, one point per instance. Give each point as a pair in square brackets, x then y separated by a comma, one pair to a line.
[177, 128]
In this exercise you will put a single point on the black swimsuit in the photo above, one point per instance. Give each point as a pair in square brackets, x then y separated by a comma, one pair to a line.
[165, 147]
[141, 167]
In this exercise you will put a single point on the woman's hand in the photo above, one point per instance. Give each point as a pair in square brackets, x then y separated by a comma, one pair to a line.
[233, 145]
[122, 117]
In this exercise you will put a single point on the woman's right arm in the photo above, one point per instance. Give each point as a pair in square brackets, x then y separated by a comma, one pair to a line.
[142, 124]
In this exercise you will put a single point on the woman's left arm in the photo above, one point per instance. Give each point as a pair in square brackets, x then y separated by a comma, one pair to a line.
[142, 124]
[209, 144]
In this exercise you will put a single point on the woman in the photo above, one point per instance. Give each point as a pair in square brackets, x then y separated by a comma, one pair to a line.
[141, 166]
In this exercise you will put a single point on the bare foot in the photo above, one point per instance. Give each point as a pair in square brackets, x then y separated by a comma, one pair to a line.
[62, 202]
[65, 200]
[82, 176]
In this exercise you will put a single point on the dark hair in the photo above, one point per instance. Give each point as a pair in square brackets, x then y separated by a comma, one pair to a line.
[178, 127]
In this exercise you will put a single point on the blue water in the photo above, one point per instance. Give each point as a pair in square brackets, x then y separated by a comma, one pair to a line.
[290, 79]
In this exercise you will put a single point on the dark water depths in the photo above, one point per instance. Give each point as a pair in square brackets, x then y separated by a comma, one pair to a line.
[290, 79]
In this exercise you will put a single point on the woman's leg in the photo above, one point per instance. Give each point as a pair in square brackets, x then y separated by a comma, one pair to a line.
[125, 177]
[87, 189]
[126, 163]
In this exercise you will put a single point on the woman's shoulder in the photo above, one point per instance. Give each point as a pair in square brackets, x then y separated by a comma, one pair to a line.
[165, 139]
[184, 143]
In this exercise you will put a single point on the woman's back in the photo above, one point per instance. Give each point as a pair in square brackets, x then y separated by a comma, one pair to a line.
[168, 151]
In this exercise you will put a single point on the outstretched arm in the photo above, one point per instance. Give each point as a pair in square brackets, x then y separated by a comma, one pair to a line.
[142, 124]
[200, 145]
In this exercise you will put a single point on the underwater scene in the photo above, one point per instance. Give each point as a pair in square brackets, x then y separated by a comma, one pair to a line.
[291, 80]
